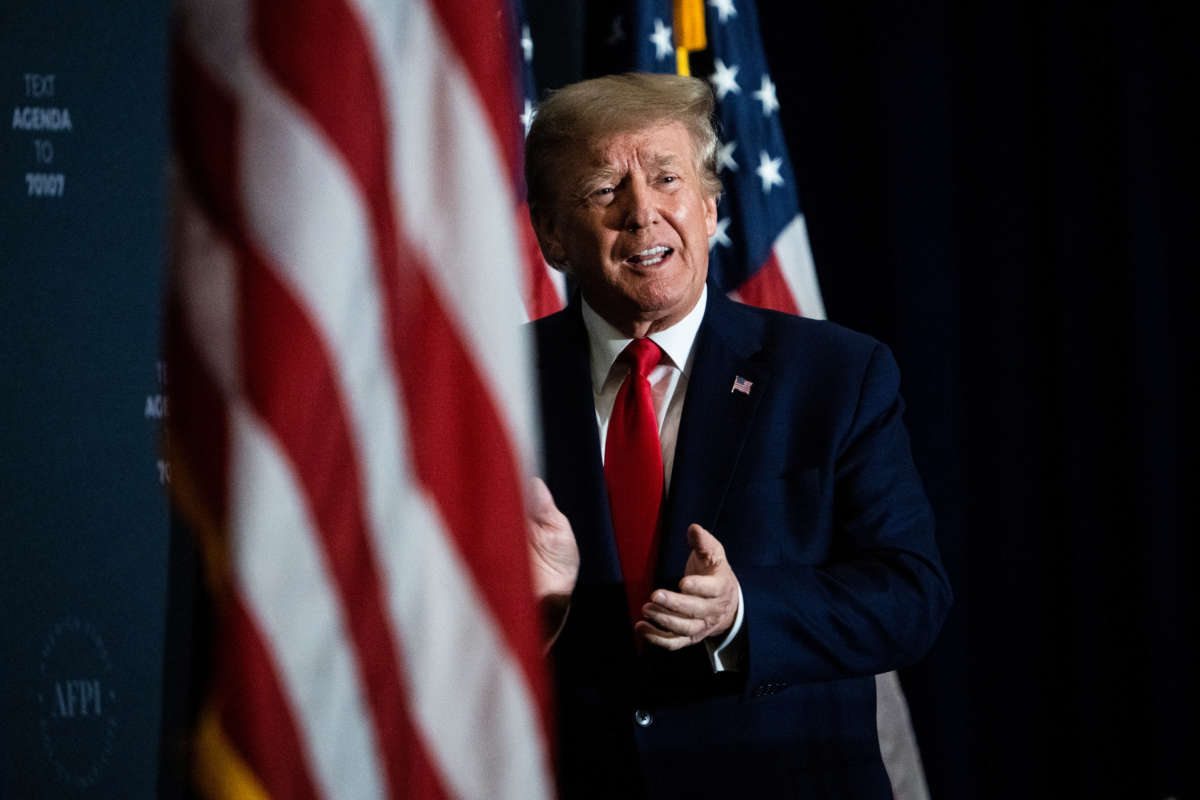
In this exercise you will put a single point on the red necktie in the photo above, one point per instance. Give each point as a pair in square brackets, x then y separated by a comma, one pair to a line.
[633, 469]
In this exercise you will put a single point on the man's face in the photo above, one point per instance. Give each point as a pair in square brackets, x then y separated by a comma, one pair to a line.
[631, 222]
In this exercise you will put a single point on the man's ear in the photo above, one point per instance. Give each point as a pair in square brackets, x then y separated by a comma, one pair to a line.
[710, 214]
[549, 239]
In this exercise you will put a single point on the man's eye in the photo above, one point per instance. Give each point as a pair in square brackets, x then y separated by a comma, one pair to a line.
[669, 178]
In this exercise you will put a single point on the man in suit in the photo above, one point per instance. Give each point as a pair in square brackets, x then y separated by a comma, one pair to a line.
[731, 540]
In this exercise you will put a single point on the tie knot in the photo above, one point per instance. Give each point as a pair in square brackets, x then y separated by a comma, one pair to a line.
[644, 354]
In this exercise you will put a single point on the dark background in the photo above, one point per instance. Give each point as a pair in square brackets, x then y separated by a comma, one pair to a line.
[83, 511]
[1003, 194]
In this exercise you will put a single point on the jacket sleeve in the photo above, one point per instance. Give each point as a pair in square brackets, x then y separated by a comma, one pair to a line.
[877, 599]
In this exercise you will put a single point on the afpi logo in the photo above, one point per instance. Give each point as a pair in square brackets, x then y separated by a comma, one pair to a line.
[78, 702]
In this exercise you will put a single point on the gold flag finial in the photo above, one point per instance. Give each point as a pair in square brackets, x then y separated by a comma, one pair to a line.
[689, 32]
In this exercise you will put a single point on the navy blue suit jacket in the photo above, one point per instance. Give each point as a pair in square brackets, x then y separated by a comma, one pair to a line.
[809, 484]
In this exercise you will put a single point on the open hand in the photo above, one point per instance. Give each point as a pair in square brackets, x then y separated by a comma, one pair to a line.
[553, 553]
[705, 605]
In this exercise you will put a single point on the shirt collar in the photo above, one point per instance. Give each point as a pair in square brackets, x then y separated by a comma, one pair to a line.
[606, 342]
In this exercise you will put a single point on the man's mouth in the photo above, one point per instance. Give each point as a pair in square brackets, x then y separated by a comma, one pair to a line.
[650, 256]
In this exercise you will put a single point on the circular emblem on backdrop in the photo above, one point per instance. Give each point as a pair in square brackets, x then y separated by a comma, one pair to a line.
[77, 702]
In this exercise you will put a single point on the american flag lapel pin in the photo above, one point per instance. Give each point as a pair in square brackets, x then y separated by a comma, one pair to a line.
[742, 385]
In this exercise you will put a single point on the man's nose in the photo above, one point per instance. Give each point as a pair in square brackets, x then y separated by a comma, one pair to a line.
[639, 206]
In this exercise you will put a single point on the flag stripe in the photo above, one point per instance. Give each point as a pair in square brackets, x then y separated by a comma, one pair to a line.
[355, 530]
[454, 310]
[299, 398]
[543, 296]
[422, 333]
[254, 712]
[794, 256]
[304, 632]
[296, 603]
[766, 288]
[482, 47]
[481, 43]
[463, 638]
[457, 197]
[289, 370]
[456, 661]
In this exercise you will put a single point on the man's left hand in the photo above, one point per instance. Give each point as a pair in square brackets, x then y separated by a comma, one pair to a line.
[705, 605]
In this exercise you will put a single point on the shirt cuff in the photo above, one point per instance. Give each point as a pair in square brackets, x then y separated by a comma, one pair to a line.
[726, 655]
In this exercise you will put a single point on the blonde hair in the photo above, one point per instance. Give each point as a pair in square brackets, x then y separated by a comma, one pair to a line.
[583, 113]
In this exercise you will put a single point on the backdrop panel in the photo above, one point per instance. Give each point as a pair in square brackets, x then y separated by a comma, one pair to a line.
[82, 506]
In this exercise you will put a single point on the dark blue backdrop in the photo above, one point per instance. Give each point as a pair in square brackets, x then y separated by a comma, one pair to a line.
[1003, 193]
[82, 509]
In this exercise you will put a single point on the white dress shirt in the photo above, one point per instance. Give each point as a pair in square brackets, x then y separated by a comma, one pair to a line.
[668, 388]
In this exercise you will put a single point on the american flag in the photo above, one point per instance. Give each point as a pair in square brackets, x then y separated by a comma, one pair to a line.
[351, 396]
[742, 385]
[760, 251]
[546, 287]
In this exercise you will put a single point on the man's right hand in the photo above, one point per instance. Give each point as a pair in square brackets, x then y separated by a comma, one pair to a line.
[553, 554]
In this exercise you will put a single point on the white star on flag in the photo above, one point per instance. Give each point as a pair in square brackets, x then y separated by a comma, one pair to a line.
[720, 237]
[766, 96]
[526, 43]
[661, 39]
[725, 157]
[527, 117]
[724, 80]
[768, 170]
[724, 8]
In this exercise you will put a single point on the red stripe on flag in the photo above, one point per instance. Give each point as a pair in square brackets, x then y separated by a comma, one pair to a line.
[291, 384]
[479, 33]
[767, 288]
[541, 296]
[463, 457]
[194, 104]
[255, 715]
[461, 453]
[481, 44]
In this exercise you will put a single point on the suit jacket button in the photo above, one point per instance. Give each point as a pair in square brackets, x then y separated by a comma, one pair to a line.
[642, 718]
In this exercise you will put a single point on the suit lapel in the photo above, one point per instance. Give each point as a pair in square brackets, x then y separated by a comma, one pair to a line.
[574, 471]
[716, 420]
